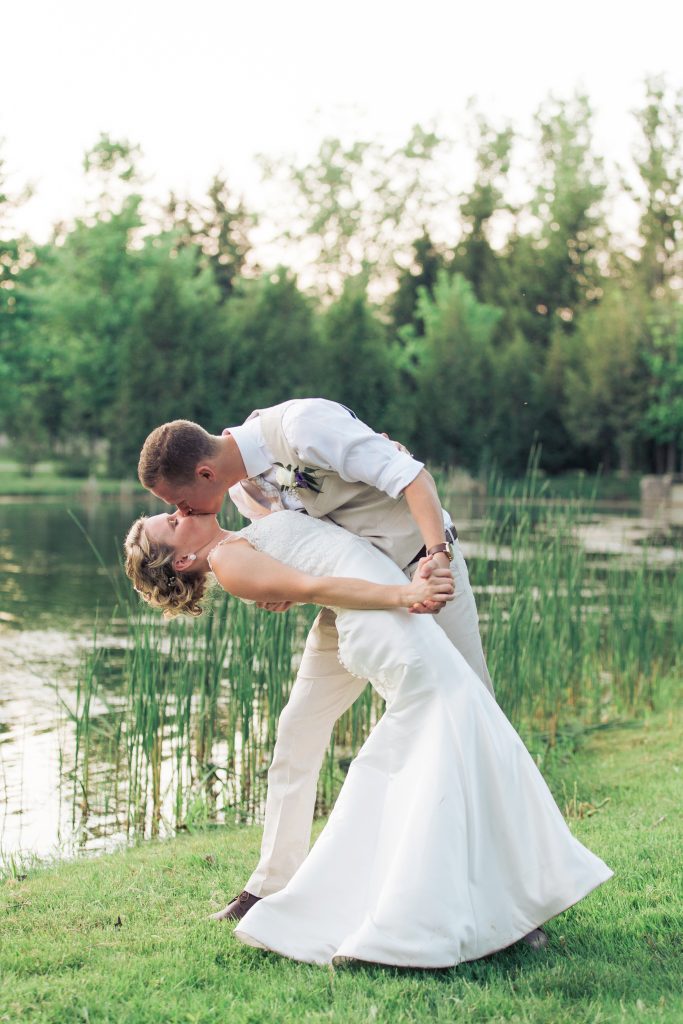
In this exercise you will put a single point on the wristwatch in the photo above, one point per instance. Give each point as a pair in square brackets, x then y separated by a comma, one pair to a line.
[446, 549]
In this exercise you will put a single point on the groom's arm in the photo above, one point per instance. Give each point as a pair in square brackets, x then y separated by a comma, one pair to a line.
[423, 501]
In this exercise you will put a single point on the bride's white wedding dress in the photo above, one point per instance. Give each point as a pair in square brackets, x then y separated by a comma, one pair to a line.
[445, 843]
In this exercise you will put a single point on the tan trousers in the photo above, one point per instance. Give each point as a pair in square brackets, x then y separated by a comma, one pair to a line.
[323, 691]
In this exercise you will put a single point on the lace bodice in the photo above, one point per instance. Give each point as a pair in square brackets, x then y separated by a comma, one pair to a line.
[308, 544]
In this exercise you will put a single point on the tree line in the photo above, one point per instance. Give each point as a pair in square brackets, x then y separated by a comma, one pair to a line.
[534, 323]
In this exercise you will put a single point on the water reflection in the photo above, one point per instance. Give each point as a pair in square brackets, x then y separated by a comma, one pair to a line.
[50, 574]
[53, 589]
[33, 664]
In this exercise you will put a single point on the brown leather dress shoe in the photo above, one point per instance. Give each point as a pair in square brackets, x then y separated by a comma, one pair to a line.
[537, 939]
[236, 910]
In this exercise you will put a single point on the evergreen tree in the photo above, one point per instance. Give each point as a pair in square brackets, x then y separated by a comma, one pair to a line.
[474, 256]
[165, 357]
[19, 359]
[272, 347]
[555, 268]
[454, 375]
[604, 396]
[663, 415]
[357, 361]
[82, 298]
[513, 414]
[426, 262]
[220, 228]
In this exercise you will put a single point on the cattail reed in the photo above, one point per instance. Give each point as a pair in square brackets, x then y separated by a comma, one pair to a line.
[179, 729]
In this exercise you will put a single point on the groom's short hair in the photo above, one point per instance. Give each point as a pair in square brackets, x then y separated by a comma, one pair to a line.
[173, 451]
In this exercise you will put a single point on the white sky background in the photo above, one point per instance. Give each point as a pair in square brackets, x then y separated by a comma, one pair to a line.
[203, 86]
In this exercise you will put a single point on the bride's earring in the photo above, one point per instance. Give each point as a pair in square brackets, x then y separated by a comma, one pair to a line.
[191, 557]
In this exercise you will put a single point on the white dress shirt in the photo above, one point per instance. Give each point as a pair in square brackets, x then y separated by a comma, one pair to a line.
[325, 435]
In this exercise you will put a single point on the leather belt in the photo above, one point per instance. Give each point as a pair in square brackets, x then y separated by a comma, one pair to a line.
[451, 535]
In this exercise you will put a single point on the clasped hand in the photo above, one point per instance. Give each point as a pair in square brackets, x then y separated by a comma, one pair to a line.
[432, 585]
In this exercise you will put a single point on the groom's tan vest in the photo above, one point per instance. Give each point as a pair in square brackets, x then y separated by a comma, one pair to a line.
[358, 507]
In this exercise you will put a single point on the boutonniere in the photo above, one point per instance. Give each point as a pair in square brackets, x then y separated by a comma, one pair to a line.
[294, 478]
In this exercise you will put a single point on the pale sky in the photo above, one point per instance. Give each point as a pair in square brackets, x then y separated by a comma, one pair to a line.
[205, 85]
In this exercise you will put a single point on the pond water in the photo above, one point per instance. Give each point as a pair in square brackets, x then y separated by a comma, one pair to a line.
[55, 590]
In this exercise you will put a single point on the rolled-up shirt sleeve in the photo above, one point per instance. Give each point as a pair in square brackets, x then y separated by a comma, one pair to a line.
[326, 435]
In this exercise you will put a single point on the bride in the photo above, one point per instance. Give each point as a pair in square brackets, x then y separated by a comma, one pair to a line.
[445, 843]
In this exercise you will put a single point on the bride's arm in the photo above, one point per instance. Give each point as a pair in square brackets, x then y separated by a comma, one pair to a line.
[251, 574]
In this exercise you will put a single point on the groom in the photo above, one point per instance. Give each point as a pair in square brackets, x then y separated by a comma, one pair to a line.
[315, 456]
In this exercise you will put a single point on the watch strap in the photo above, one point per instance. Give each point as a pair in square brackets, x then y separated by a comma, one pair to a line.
[437, 548]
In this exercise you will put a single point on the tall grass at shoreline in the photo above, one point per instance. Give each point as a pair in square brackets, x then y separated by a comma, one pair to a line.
[572, 638]
[175, 727]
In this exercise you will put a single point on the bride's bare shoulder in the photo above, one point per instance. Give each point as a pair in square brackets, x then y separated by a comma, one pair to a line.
[226, 548]
[242, 569]
[231, 561]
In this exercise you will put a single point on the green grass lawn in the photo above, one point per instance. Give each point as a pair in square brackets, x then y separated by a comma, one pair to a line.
[125, 937]
[50, 484]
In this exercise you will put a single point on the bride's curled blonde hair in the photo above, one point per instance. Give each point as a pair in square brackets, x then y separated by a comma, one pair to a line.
[149, 566]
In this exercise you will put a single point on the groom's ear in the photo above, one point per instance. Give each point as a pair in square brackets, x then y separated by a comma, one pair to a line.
[205, 471]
